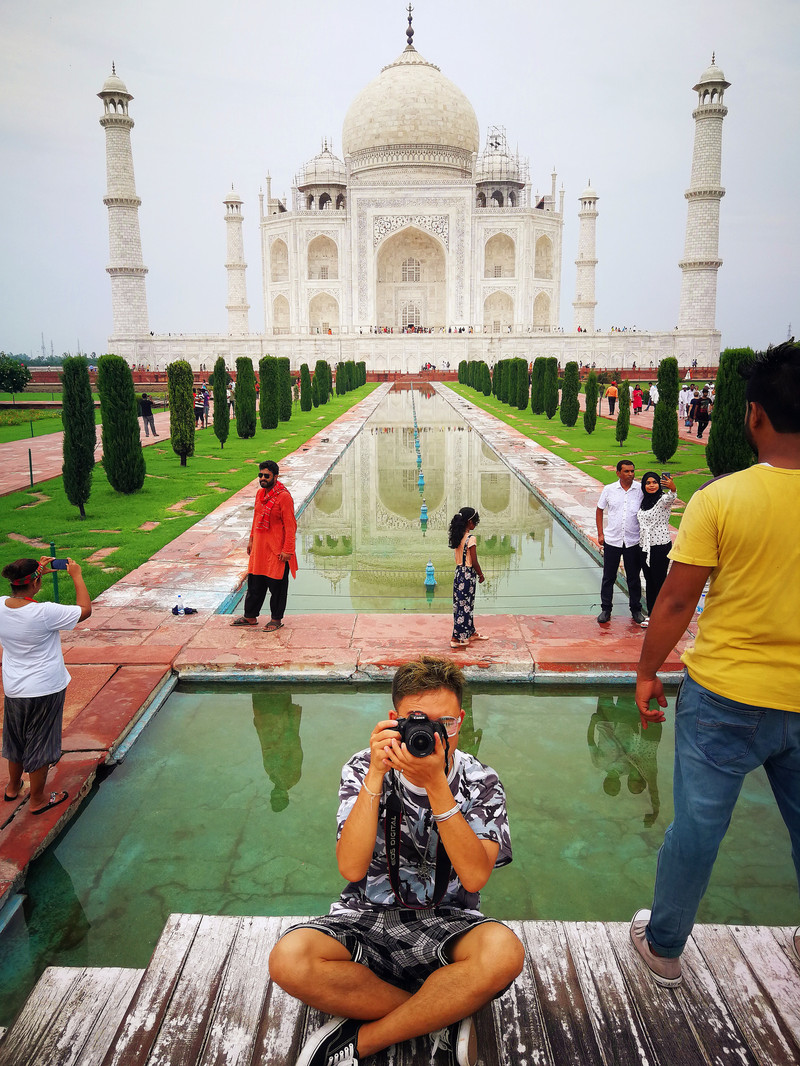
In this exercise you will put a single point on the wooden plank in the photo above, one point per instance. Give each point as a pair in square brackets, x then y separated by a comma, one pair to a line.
[136, 1033]
[672, 1038]
[283, 1020]
[234, 1026]
[569, 1033]
[511, 1029]
[764, 1030]
[182, 1033]
[616, 1025]
[767, 953]
[32, 1027]
[117, 1001]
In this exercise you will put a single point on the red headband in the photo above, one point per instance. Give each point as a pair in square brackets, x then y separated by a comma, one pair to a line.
[30, 578]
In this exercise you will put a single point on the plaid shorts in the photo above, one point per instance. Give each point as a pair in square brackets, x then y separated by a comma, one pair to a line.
[400, 946]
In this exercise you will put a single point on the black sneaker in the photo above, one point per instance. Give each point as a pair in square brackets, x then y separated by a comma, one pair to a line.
[459, 1041]
[638, 617]
[604, 616]
[335, 1044]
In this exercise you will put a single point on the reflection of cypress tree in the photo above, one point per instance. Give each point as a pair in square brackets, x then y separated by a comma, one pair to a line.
[469, 739]
[277, 722]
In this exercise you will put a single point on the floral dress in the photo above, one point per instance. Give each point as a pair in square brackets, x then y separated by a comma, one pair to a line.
[464, 584]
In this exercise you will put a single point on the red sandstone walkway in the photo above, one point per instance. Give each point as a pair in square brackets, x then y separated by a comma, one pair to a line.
[46, 453]
[645, 419]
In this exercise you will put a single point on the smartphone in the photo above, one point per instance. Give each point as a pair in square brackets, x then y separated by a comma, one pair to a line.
[59, 564]
[665, 475]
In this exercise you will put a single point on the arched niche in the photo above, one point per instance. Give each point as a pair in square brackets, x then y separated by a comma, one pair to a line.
[427, 289]
[279, 261]
[495, 492]
[541, 310]
[543, 258]
[498, 312]
[481, 200]
[323, 259]
[280, 314]
[323, 313]
[499, 257]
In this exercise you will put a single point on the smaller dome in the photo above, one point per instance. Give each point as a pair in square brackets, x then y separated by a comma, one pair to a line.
[588, 193]
[497, 166]
[113, 84]
[233, 197]
[712, 76]
[323, 169]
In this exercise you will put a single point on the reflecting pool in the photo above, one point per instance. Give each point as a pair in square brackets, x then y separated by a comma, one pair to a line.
[362, 545]
[227, 805]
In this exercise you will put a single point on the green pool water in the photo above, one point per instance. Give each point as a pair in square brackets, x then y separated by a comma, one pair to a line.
[227, 805]
[362, 547]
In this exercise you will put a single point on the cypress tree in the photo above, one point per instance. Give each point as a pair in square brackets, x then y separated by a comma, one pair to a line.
[122, 448]
[665, 418]
[537, 385]
[495, 378]
[315, 391]
[245, 398]
[550, 386]
[487, 380]
[181, 408]
[321, 370]
[362, 376]
[80, 431]
[624, 412]
[340, 389]
[570, 407]
[522, 385]
[510, 381]
[222, 412]
[268, 400]
[284, 390]
[353, 375]
[727, 449]
[306, 402]
[590, 414]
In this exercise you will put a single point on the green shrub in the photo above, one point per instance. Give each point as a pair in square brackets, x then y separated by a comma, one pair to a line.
[181, 409]
[245, 398]
[322, 379]
[727, 449]
[314, 391]
[570, 406]
[268, 394]
[537, 385]
[592, 392]
[80, 431]
[624, 412]
[14, 375]
[284, 389]
[306, 403]
[551, 386]
[222, 412]
[522, 384]
[664, 441]
[123, 460]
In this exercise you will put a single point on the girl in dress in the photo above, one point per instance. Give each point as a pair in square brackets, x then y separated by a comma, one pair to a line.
[468, 572]
[655, 539]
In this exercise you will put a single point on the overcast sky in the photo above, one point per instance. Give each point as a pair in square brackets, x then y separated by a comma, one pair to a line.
[224, 93]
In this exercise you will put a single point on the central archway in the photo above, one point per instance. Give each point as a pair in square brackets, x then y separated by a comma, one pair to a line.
[411, 272]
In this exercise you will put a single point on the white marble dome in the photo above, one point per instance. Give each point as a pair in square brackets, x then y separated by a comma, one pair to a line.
[324, 169]
[410, 104]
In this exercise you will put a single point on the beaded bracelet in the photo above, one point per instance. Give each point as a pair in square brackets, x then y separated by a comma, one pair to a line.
[447, 814]
[369, 792]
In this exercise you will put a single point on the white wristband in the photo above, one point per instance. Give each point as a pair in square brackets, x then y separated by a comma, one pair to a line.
[447, 814]
[369, 792]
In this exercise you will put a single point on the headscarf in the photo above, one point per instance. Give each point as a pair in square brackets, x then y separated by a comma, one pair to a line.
[649, 498]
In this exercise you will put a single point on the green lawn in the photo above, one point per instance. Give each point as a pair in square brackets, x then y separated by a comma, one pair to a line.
[211, 476]
[598, 453]
[15, 423]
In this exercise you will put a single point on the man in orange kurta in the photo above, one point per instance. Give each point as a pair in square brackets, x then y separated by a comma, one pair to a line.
[271, 548]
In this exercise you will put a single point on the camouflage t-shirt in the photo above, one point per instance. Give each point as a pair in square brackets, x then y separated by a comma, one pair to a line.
[479, 794]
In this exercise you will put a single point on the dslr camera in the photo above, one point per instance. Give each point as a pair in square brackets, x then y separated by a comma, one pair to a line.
[418, 733]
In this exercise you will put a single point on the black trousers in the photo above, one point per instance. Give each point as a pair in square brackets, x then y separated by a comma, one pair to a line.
[633, 563]
[655, 574]
[612, 401]
[258, 585]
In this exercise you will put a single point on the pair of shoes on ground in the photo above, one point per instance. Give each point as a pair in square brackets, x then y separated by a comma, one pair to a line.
[336, 1044]
[270, 627]
[637, 616]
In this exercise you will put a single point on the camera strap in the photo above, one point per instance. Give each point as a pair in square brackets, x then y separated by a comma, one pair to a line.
[393, 820]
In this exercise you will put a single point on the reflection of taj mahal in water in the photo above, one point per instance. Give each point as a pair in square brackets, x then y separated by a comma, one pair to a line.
[417, 246]
[361, 532]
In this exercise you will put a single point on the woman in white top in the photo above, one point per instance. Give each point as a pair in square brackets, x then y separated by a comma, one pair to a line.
[468, 569]
[34, 676]
[655, 538]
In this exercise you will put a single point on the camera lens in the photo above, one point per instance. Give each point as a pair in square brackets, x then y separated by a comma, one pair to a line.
[419, 740]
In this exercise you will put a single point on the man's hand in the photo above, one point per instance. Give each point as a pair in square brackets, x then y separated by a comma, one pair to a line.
[423, 773]
[380, 745]
[648, 689]
[284, 556]
[249, 545]
[600, 538]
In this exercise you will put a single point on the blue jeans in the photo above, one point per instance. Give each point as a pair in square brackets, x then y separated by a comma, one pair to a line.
[717, 742]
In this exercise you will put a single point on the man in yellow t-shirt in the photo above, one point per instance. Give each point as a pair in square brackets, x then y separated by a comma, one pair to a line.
[738, 706]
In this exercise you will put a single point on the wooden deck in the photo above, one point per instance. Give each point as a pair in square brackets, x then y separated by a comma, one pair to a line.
[206, 1000]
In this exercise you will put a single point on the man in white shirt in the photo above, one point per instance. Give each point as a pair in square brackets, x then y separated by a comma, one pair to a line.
[620, 540]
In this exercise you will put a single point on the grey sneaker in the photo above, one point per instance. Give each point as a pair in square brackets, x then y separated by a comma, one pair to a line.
[665, 972]
[459, 1041]
[604, 616]
[335, 1044]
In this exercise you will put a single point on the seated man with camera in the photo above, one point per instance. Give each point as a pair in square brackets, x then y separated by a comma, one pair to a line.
[405, 951]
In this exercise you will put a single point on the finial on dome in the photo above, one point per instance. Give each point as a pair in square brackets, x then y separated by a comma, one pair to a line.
[713, 59]
[113, 67]
[410, 30]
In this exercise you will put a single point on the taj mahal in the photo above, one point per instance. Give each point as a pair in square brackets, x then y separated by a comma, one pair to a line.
[417, 246]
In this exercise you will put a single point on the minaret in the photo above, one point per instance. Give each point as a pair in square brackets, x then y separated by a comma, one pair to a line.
[128, 294]
[237, 305]
[584, 302]
[701, 260]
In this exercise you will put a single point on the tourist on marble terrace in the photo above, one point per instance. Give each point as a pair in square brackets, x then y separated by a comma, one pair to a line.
[738, 706]
[468, 574]
[700, 411]
[652, 396]
[636, 399]
[146, 409]
[620, 540]
[271, 550]
[35, 678]
[655, 539]
[405, 950]
[611, 394]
